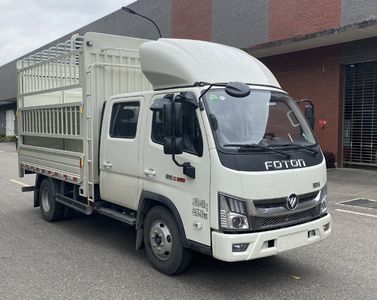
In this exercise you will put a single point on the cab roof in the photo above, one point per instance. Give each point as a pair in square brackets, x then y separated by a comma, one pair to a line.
[171, 63]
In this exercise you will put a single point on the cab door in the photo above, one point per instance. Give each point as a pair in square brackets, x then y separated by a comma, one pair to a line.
[163, 177]
[120, 152]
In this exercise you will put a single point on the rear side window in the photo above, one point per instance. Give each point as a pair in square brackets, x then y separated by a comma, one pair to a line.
[124, 117]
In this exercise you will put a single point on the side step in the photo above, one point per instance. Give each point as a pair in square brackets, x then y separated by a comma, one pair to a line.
[116, 215]
[81, 207]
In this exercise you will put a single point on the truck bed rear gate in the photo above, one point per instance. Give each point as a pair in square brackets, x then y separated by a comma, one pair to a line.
[61, 91]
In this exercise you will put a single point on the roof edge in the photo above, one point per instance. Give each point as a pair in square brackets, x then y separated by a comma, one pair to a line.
[315, 39]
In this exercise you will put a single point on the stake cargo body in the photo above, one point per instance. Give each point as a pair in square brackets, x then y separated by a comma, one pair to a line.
[60, 99]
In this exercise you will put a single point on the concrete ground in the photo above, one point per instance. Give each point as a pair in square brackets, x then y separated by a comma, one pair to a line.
[94, 257]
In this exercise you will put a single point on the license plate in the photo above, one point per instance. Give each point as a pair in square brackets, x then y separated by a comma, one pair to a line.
[291, 241]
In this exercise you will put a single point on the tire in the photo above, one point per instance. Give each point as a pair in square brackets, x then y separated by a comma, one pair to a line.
[50, 209]
[163, 242]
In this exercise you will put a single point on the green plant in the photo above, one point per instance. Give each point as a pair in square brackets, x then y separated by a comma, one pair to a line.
[8, 139]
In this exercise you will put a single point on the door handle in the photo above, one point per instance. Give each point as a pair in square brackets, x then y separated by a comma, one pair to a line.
[150, 172]
[107, 164]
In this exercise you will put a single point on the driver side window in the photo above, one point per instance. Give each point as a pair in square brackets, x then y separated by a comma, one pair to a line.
[192, 137]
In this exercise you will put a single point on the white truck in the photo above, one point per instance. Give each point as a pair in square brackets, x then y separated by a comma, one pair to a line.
[193, 143]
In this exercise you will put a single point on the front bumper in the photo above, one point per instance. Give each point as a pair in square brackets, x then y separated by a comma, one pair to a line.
[270, 242]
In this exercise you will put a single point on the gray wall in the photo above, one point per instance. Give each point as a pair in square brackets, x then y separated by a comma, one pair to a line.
[354, 11]
[240, 23]
[8, 82]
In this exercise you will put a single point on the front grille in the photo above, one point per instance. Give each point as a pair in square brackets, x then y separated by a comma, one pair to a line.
[263, 223]
[281, 202]
[286, 219]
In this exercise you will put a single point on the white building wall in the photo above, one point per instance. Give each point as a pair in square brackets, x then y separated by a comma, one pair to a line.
[10, 122]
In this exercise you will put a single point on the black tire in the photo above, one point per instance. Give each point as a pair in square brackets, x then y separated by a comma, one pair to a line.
[178, 259]
[50, 209]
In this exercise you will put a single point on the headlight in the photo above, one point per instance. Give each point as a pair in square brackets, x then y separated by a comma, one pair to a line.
[233, 213]
[323, 200]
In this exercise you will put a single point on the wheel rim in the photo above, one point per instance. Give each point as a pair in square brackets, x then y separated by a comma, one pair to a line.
[160, 240]
[45, 200]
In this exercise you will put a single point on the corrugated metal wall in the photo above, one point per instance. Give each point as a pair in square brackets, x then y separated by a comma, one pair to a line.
[360, 114]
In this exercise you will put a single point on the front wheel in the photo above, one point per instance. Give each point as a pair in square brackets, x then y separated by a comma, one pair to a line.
[163, 243]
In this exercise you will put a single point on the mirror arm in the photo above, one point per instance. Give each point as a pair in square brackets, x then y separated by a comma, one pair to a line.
[175, 161]
[188, 169]
[200, 100]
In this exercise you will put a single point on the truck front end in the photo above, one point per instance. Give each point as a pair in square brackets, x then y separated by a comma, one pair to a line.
[268, 175]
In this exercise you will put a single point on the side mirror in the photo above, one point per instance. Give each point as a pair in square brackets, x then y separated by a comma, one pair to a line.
[158, 105]
[237, 89]
[309, 115]
[188, 98]
[171, 110]
[172, 127]
[172, 119]
[173, 145]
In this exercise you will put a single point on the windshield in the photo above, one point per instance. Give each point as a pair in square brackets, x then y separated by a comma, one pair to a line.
[264, 118]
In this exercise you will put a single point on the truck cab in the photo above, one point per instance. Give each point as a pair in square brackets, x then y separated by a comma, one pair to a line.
[256, 167]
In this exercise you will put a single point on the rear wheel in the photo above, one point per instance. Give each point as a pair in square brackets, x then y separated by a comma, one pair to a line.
[50, 209]
[163, 242]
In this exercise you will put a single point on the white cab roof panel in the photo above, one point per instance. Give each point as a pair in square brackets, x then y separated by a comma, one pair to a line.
[171, 63]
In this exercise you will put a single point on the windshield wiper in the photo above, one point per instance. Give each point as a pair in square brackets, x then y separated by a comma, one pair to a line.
[296, 145]
[246, 147]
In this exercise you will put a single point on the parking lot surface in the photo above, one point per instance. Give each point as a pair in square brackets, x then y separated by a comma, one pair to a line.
[94, 257]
